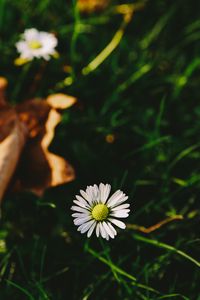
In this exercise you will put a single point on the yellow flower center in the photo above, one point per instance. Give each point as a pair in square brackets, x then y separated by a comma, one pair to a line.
[34, 44]
[100, 212]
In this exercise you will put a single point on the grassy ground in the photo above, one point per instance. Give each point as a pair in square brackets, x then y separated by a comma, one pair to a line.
[146, 95]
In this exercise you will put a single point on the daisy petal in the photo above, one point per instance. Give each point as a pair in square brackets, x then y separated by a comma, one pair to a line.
[112, 228]
[90, 231]
[118, 223]
[96, 193]
[120, 213]
[89, 194]
[80, 221]
[117, 195]
[108, 230]
[120, 201]
[107, 236]
[81, 203]
[98, 230]
[86, 226]
[81, 199]
[31, 34]
[102, 231]
[123, 206]
[80, 215]
[120, 198]
[80, 209]
[104, 190]
[86, 196]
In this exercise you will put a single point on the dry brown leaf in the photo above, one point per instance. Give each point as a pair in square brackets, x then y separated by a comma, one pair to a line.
[45, 169]
[61, 170]
[3, 85]
[32, 124]
[155, 226]
[10, 149]
[33, 113]
[7, 120]
[60, 101]
[90, 6]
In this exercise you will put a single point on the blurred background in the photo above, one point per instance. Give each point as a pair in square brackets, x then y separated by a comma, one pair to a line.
[134, 68]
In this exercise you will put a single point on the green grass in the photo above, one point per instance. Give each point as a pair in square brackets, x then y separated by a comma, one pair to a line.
[139, 82]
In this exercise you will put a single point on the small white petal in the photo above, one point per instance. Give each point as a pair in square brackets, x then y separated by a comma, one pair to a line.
[48, 39]
[81, 203]
[31, 34]
[101, 190]
[108, 230]
[123, 206]
[90, 231]
[46, 57]
[81, 199]
[118, 223]
[80, 221]
[125, 210]
[120, 213]
[80, 215]
[85, 227]
[102, 231]
[107, 191]
[112, 228]
[96, 194]
[104, 190]
[86, 196]
[117, 195]
[93, 192]
[120, 201]
[89, 193]
[98, 229]
[107, 236]
[80, 209]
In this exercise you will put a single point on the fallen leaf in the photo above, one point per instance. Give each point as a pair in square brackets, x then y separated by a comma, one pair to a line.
[45, 169]
[26, 132]
[3, 86]
[60, 101]
[61, 170]
[12, 139]
[90, 6]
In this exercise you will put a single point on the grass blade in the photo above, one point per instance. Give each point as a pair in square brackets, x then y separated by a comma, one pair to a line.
[167, 247]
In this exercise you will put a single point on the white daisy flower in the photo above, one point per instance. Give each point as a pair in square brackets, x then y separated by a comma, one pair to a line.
[37, 44]
[95, 210]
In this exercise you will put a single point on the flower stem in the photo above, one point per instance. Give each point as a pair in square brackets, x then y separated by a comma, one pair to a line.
[109, 260]
[20, 81]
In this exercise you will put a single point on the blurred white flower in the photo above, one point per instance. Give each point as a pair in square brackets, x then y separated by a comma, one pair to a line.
[95, 211]
[38, 44]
